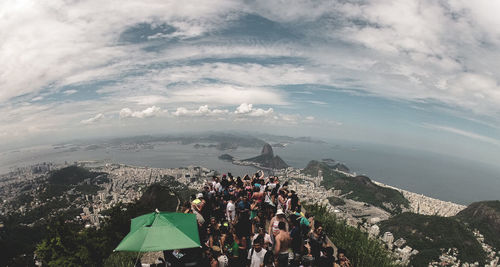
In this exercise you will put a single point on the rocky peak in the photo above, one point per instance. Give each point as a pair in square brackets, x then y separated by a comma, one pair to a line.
[267, 150]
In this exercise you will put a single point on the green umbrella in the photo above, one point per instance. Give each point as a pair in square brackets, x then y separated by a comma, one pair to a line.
[159, 231]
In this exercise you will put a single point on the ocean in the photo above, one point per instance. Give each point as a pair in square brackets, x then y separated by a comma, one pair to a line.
[438, 176]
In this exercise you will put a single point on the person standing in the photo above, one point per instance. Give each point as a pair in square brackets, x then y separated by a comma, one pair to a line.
[257, 253]
[317, 240]
[283, 242]
[273, 225]
[231, 211]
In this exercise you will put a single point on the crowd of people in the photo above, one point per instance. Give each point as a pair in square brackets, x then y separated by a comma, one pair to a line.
[255, 221]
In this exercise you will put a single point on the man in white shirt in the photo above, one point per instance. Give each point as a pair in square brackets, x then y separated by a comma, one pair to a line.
[230, 211]
[257, 253]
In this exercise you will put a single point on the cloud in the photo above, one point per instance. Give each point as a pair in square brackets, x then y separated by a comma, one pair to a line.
[316, 102]
[242, 74]
[146, 113]
[209, 57]
[201, 111]
[96, 118]
[147, 99]
[242, 112]
[70, 92]
[243, 109]
[394, 50]
[248, 109]
[85, 39]
[468, 134]
[227, 95]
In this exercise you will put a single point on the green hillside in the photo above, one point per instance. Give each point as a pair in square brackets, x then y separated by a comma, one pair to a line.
[360, 188]
[66, 244]
[361, 250]
[72, 177]
[61, 240]
[428, 234]
[484, 216]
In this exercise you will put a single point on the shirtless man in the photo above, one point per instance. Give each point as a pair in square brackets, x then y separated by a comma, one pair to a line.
[283, 243]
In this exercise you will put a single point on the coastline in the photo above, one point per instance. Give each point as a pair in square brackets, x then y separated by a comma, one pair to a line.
[419, 203]
[425, 205]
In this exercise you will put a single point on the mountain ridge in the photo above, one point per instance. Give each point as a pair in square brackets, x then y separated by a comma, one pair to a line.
[484, 216]
[361, 187]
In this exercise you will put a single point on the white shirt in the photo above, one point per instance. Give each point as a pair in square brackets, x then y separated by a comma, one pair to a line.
[230, 206]
[257, 258]
[223, 261]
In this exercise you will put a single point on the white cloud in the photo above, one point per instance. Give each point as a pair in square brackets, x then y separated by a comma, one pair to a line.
[96, 118]
[244, 108]
[146, 113]
[70, 92]
[227, 95]
[147, 99]
[243, 74]
[242, 112]
[44, 42]
[201, 111]
[316, 102]
[248, 109]
[181, 111]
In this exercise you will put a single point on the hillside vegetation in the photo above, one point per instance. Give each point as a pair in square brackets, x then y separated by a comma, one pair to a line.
[361, 250]
[22, 231]
[58, 239]
[67, 245]
[359, 188]
[72, 177]
[484, 216]
[428, 234]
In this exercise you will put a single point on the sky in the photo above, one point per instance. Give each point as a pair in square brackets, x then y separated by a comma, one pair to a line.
[417, 74]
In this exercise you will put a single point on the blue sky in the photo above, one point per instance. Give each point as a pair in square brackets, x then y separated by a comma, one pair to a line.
[417, 74]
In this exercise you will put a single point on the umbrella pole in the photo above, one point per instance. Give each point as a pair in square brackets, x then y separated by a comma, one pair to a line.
[137, 258]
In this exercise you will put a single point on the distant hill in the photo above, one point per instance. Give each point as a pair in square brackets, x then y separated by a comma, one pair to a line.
[226, 157]
[359, 188]
[268, 159]
[223, 141]
[72, 177]
[336, 165]
[428, 234]
[484, 216]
